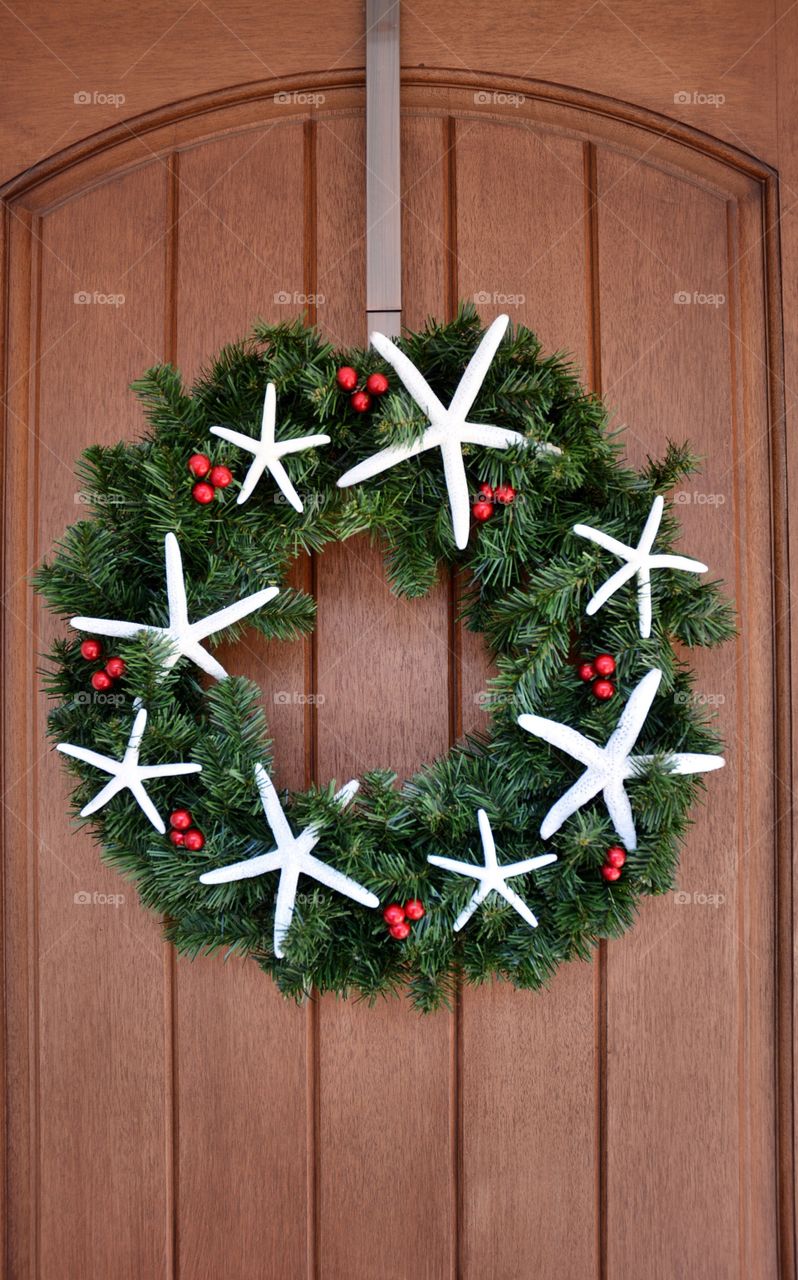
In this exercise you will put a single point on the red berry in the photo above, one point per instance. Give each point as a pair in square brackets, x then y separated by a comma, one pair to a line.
[486, 491]
[414, 909]
[604, 664]
[346, 377]
[203, 492]
[505, 494]
[603, 689]
[221, 477]
[360, 401]
[394, 914]
[199, 465]
[194, 840]
[615, 856]
[177, 838]
[181, 819]
[377, 384]
[115, 667]
[91, 650]
[101, 681]
[482, 510]
[611, 873]
[399, 930]
[587, 672]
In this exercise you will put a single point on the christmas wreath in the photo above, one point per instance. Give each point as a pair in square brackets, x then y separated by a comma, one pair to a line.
[516, 851]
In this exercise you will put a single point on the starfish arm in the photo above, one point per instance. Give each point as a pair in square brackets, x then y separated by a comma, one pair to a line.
[476, 370]
[415, 383]
[604, 540]
[106, 763]
[644, 608]
[633, 716]
[284, 484]
[583, 790]
[204, 660]
[269, 415]
[146, 805]
[564, 737]
[102, 797]
[529, 864]
[256, 469]
[457, 489]
[382, 461]
[620, 811]
[347, 793]
[475, 870]
[110, 627]
[175, 585]
[608, 589]
[520, 906]
[246, 870]
[232, 613]
[694, 762]
[168, 770]
[489, 436]
[284, 905]
[651, 527]
[476, 899]
[272, 808]
[334, 879]
[237, 438]
[668, 561]
[300, 443]
[486, 835]
[136, 734]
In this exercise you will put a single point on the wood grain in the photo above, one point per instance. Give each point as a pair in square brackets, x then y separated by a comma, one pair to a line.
[243, 1098]
[681, 1076]
[218, 1129]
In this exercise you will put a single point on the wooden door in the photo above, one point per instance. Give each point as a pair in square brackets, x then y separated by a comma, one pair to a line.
[168, 1118]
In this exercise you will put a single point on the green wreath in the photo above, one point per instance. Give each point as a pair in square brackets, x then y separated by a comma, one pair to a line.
[531, 577]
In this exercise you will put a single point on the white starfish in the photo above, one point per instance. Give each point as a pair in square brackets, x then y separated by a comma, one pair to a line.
[291, 858]
[607, 768]
[492, 878]
[638, 561]
[448, 429]
[269, 451]
[185, 636]
[127, 772]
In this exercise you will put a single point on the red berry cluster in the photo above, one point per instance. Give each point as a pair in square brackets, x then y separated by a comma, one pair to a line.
[361, 399]
[482, 509]
[396, 917]
[597, 672]
[103, 679]
[614, 859]
[183, 833]
[209, 478]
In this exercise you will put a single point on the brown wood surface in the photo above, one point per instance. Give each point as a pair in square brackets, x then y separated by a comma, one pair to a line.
[175, 1119]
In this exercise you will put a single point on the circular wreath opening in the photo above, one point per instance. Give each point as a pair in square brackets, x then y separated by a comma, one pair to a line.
[503, 857]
